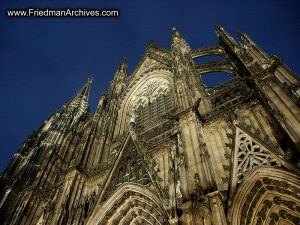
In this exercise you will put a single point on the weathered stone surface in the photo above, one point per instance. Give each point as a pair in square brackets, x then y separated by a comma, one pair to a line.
[162, 148]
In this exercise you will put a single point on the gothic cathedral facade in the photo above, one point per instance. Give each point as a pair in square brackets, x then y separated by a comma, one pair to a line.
[163, 148]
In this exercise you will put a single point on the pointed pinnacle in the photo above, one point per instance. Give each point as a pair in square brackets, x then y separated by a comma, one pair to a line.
[123, 65]
[177, 37]
[85, 91]
[80, 100]
[176, 33]
[241, 34]
[150, 43]
[245, 38]
[124, 60]
[87, 86]
[223, 34]
[217, 26]
[219, 29]
[101, 100]
[102, 94]
[121, 70]
[90, 80]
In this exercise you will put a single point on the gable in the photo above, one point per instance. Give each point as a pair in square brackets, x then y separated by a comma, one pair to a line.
[129, 190]
[127, 169]
[250, 153]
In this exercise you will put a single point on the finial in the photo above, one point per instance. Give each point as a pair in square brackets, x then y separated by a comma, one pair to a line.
[102, 94]
[121, 71]
[124, 60]
[101, 99]
[175, 32]
[123, 66]
[90, 79]
[245, 38]
[150, 43]
[218, 27]
[177, 37]
[241, 34]
[225, 36]
[80, 100]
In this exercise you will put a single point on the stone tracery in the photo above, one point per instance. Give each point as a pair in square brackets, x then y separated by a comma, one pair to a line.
[250, 154]
[102, 178]
[150, 91]
[152, 100]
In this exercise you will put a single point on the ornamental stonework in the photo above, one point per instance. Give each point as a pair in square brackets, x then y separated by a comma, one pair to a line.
[163, 148]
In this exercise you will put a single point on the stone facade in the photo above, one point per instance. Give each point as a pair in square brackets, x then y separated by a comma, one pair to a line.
[162, 148]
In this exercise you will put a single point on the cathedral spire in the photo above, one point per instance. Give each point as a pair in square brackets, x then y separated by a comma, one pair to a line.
[80, 100]
[118, 83]
[121, 72]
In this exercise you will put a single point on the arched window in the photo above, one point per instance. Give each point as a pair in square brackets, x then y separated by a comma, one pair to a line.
[153, 100]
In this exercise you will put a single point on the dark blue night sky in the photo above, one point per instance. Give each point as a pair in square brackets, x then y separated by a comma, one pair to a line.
[44, 61]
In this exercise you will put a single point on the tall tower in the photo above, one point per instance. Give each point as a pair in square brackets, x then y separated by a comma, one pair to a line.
[163, 148]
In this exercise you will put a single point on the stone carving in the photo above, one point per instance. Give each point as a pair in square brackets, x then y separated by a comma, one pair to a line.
[214, 50]
[67, 171]
[198, 186]
[250, 154]
[266, 209]
[181, 158]
[143, 207]
[130, 169]
[149, 92]
[132, 117]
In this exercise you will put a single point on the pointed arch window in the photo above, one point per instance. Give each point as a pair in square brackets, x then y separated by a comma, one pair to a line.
[153, 100]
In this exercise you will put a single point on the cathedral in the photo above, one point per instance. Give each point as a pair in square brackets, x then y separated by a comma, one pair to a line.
[163, 148]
